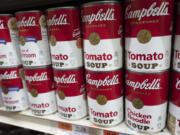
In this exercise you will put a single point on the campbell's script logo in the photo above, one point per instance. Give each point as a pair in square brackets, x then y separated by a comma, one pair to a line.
[11, 75]
[36, 77]
[178, 84]
[26, 22]
[101, 15]
[107, 81]
[61, 20]
[66, 79]
[153, 10]
[2, 24]
[146, 84]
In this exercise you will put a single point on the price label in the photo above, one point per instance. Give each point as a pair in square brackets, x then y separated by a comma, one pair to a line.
[110, 133]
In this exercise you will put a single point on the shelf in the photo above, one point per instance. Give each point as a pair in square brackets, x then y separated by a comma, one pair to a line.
[14, 5]
[50, 124]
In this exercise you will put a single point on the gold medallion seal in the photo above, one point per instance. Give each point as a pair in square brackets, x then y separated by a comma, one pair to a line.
[34, 92]
[94, 38]
[137, 103]
[22, 40]
[61, 95]
[52, 40]
[4, 89]
[101, 99]
[144, 36]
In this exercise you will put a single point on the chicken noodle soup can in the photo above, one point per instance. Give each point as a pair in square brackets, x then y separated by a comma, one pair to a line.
[70, 93]
[33, 38]
[65, 37]
[148, 52]
[102, 35]
[174, 105]
[9, 42]
[41, 91]
[14, 92]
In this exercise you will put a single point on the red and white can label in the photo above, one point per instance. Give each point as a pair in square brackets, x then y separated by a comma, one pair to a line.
[65, 48]
[142, 112]
[33, 38]
[14, 89]
[41, 90]
[9, 42]
[148, 35]
[70, 93]
[174, 106]
[102, 31]
[105, 99]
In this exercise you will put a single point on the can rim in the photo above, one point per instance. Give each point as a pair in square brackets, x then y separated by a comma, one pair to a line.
[6, 15]
[37, 67]
[29, 11]
[64, 7]
[100, 3]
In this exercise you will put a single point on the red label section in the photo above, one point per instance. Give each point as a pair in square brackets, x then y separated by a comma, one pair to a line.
[11, 78]
[156, 16]
[108, 84]
[4, 29]
[39, 79]
[71, 82]
[175, 88]
[152, 89]
[29, 25]
[64, 24]
[178, 19]
[106, 20]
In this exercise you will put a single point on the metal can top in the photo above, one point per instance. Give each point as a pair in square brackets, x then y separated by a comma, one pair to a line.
[64, 7]
[29, 11]
[6, 14]
[100, 3]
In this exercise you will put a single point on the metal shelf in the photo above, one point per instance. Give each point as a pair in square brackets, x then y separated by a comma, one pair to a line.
[51, 124]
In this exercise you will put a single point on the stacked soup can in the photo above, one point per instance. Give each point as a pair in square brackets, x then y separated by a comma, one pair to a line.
[36, 60]
[66, 54]
[148, 51]
[102, 27]
[174, 105]
[11, 77]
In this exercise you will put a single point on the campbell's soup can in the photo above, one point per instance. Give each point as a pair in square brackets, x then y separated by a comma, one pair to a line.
[67, 60]
[9, 42]
[65, 37]
[102, 35]
[41, 90]
[14, 91]
[33, 38]
[70, 93]
[148, 52]
[174, 105]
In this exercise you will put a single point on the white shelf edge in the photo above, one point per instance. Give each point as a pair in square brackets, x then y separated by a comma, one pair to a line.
[49, 123]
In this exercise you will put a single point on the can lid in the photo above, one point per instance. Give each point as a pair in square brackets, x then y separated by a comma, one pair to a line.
[65, 7]
[29, 11]
[100, 3]
[6, 15]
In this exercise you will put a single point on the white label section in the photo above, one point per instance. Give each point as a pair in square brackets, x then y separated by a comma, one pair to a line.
[72, 108]
[66, 55]
[109, 114]
[149, 119]
[9, 54]
[174, 119]
[176, 57]
[35, 54]
[15, 100]
[151, 57]
[43, 104]
[105, 56]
